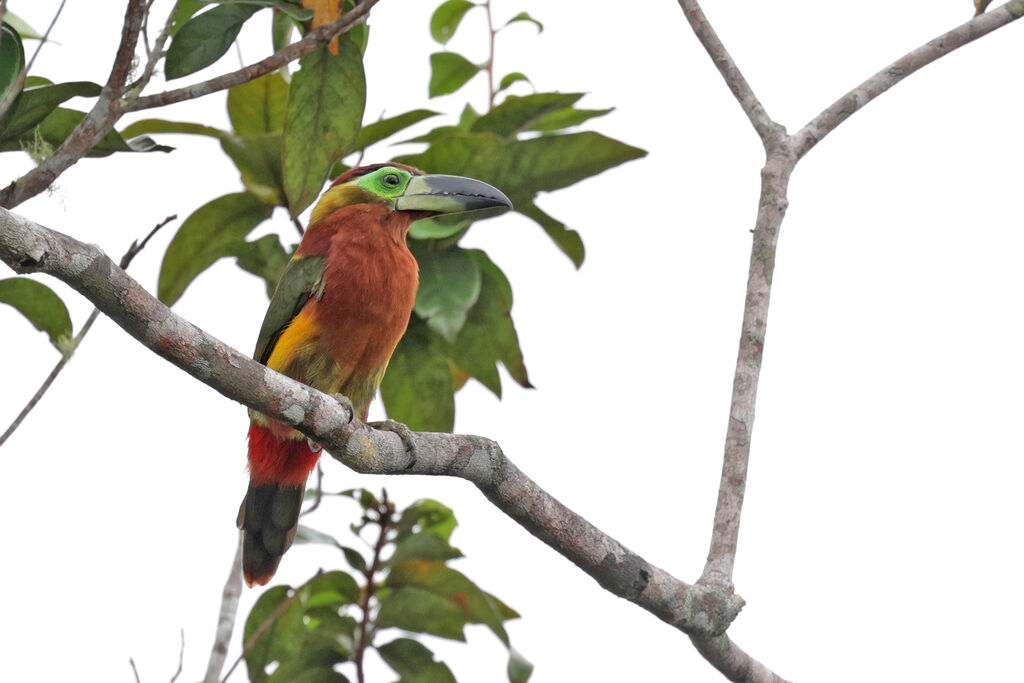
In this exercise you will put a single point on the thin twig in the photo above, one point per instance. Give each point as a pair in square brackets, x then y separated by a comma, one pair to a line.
[134, 249]
[135, 671]
[226, 619]
[319, 493]
[46, 35]
[840, 110]
[764, 125]
[181, 657]
[154, 54]
[312, 40]
[298, 225]
[490, 59]
[269, 622]
[385, 519]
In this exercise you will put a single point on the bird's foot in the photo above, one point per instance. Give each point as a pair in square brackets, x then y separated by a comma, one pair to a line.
[404, 433]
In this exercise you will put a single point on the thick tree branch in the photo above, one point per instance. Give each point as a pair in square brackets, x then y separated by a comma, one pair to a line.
[766, 128]
[840, 110]
[702, 611]
[96, 123]
[313, 40]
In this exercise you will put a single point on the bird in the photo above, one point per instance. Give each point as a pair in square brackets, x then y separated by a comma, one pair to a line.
[337, 314]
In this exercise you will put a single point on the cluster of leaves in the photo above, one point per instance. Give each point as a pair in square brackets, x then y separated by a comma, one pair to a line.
[400, 585]
[292, 131]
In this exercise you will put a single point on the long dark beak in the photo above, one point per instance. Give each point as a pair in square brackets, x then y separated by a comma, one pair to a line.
[450, 194]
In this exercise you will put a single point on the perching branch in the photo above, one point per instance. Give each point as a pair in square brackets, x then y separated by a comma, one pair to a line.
[226, 619]
[700, 611]
[134, 249]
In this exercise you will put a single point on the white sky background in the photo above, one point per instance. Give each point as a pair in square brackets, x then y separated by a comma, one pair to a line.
[880, 537]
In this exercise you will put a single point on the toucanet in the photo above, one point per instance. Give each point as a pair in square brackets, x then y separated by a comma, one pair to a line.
[339, 310]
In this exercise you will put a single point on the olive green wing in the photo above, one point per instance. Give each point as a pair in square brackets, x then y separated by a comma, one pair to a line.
[303, 279]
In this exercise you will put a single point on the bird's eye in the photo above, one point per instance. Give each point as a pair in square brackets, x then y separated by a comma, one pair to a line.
[391, 180]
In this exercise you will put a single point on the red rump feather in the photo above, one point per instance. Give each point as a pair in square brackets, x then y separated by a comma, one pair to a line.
[284, 462]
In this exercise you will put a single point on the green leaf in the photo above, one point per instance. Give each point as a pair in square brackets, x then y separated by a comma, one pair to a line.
[325, 110]
[42, 307]
[205, 38]
[354, 558]
[36, 103]
[378, 130]
[420, 610]
[489, 335]
[428, 516]
[293, 10]
[258, 158]
[508, 79]
[213, 231]
[565, 118]
[414, 663]
[305, 535]
[334, 589]
[523, 16]
[446, 18]
[12, 63]
[417, 389]
[449, 286]
[281, 31]
[258, 106]
[146, 126]
[439, 227]
[183, 11]
[41, 140]
[569, 241]
[449, 72]
[423, 546]
[21, 26]
[519, 669]
[265, 258]
[518, 113]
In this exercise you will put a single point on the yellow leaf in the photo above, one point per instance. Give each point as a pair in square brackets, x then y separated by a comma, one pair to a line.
[324, 12]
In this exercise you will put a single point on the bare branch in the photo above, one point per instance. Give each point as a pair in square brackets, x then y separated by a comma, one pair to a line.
[134, 249]
[313, 40]
[766, 128]
[96, 123]
[702, 610]
[181, 656]
[840, 110]
[226, 620]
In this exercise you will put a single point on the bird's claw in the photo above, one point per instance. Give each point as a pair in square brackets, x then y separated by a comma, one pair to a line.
[403, 432]
[346, 404]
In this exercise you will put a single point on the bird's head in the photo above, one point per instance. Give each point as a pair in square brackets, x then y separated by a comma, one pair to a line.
[408, 190]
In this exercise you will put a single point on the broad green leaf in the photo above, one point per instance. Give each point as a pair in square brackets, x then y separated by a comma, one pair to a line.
[12, 63]
[360, 33]
[417, 388]
[205, 38]
[45, 137]
[508, 79]
[213, 231]
[427, 515]
[265, 258]
[439, 227]
[325, 110]
[37, 102]
[281, 28]
[423, 611]
[446, 18]
[449, 286]
[21, 26]
[489, 336]
[354, 558]
[333, 589]
[523, 16]
[258, 158]
[569, 241]
[423, 546]
[146, 126]
[258, 106]
[566, 118]
[449, 72]
[519, 669]
[305, 535]
[42, 307]
[414, 663]
[183, 11]
[519, 113]
[291, 9]
[378, 130]
[466, 119]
